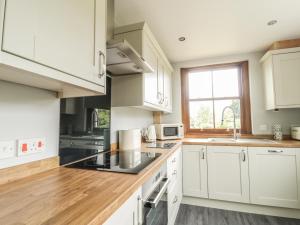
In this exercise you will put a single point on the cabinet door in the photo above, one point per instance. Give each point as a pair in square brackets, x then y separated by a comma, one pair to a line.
[160, 83]
[150, 79]
[100, 43]
[287, 79]
[168, 90]
[65, 36]
[128, 213]
[194, 168]
[275, 177]
[228, 173]
[19, 28]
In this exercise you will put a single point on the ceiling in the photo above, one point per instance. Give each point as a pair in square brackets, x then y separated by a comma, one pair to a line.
[213, 27]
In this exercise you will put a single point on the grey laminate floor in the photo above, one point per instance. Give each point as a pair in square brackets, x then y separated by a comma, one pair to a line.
[195, 215]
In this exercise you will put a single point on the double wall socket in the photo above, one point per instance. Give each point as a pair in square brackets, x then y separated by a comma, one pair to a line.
[7, 149]
[31, 146]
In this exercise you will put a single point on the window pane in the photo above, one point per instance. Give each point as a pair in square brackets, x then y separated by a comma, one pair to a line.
[228, 115]
[201, 115]
[226, 83]
[200, 85]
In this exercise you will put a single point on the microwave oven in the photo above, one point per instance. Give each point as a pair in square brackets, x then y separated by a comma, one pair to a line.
[169, 131]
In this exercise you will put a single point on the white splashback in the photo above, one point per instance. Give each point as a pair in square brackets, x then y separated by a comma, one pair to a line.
[123, 118]
[27, 112]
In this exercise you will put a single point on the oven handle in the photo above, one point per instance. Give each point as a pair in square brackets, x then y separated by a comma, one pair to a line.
[154, 203]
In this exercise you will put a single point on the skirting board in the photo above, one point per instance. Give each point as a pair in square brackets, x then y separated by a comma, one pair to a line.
[240, 207]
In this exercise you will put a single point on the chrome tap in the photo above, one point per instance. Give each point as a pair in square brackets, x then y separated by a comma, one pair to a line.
[234, 121]
[94, 120]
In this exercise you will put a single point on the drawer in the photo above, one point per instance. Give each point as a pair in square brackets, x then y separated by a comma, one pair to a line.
[174, 161]
[174, 199]
[174, 168]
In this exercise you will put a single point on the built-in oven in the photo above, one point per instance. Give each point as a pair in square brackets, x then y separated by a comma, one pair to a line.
[155, 210]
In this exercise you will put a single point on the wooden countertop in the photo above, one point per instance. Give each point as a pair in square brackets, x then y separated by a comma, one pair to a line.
[71, 196]
[270, 143]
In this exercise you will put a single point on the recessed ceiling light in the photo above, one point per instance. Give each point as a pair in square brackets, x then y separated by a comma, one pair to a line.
[272, 22]
[181, 39]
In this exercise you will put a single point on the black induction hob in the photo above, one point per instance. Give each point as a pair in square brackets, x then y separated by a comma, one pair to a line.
[122, 162]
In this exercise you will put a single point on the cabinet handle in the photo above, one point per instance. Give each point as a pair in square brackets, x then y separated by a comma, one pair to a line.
[174, 172]
[102, 69]
[174, 160]
[139, 211]
[133, 215]
[175, 199]
[203, 154]
[275, 151]
[243, 155]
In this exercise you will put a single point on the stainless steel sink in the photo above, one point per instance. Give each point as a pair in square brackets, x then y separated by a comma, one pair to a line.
[241, 140]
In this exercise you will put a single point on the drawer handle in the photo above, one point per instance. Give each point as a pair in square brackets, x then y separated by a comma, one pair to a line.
[275, 151]
[175, 200]
[174, 172]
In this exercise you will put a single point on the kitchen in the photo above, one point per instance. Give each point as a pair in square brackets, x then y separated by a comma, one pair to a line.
[86, 88]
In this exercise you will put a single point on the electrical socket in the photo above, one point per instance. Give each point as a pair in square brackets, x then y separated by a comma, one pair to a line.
[31, 146]
[7, 149]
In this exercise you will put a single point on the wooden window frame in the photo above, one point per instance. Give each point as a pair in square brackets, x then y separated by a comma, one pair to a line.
[244, 96]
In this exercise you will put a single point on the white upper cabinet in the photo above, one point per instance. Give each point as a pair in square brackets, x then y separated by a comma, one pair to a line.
[275, 177]
[281, 78]
[19, 28]
[194, 171]
[60, 41]
[228, 173]
[154, 88]
[168, 90]
[150, 79]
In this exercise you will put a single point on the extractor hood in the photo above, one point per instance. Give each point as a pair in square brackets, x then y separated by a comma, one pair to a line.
[123, 59]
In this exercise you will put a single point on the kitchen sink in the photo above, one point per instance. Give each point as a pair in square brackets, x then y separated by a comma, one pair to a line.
[241, 140]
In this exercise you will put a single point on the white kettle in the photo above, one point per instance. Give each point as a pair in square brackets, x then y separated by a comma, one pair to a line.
[149, 134]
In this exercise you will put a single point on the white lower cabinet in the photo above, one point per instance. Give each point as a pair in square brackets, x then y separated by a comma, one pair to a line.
[228, 173]
[194, 171]
[174, 166]
[129, 213]
[275, 177]
[256, 175]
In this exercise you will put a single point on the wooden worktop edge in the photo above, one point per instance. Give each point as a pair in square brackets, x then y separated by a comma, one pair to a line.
[28, 169]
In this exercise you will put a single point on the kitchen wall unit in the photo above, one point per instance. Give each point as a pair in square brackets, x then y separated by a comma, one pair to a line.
[54, 45]
[256, 175]
[281, 69]
[149, 90]
[194, 171]
[275, 177]
[129, 213]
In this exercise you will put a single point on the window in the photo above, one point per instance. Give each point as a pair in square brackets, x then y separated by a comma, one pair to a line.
[207, 90]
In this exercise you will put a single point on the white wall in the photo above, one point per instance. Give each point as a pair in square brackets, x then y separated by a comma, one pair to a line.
[27, 112]
[123, 118]
[259, 115]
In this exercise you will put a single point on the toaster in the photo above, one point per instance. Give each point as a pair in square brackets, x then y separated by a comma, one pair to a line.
[295, 131]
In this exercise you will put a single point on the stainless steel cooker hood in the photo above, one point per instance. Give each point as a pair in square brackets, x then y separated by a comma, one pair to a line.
[123, 59]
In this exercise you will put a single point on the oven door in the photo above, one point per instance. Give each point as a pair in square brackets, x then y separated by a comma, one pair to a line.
[156, 206]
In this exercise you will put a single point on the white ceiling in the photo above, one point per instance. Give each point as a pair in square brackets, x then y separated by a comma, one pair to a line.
[213, 27]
